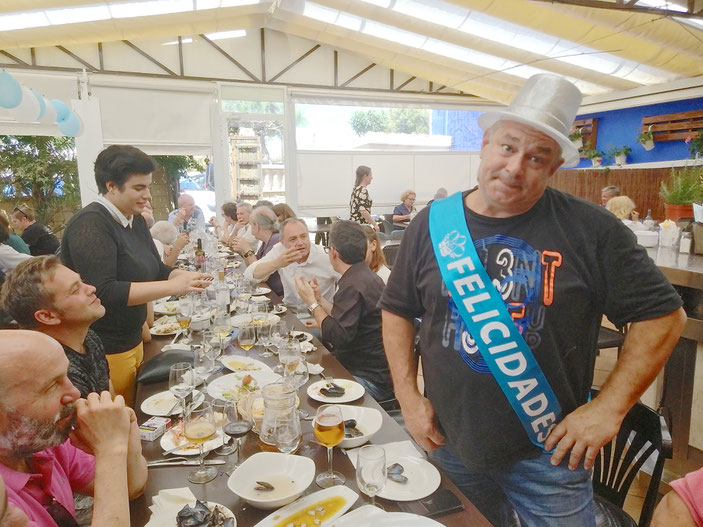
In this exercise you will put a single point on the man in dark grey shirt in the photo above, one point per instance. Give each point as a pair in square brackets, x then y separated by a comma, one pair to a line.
[43, 295]
[351, 324]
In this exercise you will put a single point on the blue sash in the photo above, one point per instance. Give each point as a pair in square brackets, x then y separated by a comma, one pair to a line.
[483, 311]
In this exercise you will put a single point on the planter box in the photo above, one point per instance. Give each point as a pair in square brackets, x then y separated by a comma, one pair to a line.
[621, 159]
[648, 145]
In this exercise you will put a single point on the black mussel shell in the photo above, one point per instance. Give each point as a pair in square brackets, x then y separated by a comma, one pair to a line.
[193, 517]
[264, 486]
[352, 432]
[395, 468]
[332, 391]
[350, 423]
[398, 478]
[300, 337]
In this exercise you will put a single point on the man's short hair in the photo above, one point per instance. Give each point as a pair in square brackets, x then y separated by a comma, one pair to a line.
[117, 162]
[611, 189]
[292, 220]
[164, 231]
[23, 292]
[229, 209]
[244, 205]
[24, 210]
[349, 240]
[263, 203]
[265, 218]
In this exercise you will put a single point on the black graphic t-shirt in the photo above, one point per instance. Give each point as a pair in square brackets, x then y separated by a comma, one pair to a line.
[559, 268]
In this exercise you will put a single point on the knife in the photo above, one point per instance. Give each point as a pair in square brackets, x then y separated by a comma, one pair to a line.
[171, 463]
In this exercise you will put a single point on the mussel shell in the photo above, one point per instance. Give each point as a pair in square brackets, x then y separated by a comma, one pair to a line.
[398, 478]
[350, 423]
[332, 391]
[263, 486]
[395, 468]
[193, 516]
[352, 432]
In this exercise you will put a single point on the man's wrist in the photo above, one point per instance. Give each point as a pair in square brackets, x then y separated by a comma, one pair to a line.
[248, 254]
[312, 307]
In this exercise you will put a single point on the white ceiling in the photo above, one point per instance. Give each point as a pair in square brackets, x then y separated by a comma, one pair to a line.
[483, 47]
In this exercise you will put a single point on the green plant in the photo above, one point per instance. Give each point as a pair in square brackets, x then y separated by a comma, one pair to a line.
[614, 151]
[683, 187]
[695, 144]
[575, 135]
[592, 153]
[645, 136]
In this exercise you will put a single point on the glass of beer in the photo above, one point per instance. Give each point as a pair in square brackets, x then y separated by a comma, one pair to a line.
[199, 428]
[329, 432]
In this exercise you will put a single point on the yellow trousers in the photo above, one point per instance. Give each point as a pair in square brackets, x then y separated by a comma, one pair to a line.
[123, 371]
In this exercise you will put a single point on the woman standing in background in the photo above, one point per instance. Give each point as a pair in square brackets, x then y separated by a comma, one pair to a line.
[360, 202]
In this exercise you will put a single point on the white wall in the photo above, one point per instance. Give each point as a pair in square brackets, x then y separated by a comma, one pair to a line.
[326, 179]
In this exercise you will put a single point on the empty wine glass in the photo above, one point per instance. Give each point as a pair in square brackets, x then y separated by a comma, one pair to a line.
[371, 470]
[181, 381]
[243, 296]
[199, 428]
[225, 410]
[278, 336]
[329, 432]
[203, 365]
[265, 339]
[287, 432]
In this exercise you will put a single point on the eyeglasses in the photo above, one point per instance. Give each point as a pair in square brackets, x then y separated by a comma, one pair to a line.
[20, 210]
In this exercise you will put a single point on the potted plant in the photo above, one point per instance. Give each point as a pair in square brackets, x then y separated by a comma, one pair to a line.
[681, 190]
[695, 144]
[646, 139]
[619, 153]
[576, 137]
[596, 156]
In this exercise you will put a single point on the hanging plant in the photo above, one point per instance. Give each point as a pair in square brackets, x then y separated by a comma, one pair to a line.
[695, 144]
[646, 139]
[576, 137]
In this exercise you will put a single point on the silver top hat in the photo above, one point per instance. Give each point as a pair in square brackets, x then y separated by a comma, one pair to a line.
[548, 103]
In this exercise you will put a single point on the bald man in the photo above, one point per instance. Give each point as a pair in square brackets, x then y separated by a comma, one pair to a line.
[187, 217]
[39, 410]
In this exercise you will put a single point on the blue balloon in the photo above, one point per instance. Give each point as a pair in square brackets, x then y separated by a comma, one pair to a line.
[62, 111]
[42, 104]
[10, 91]
[70, 126]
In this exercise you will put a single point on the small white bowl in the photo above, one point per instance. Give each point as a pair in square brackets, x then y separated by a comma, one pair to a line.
[368, 421]
[647, 238]
[289, 474]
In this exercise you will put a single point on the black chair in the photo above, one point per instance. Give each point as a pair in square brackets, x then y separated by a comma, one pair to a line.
[397, 235]
[390, 251]
[642, 433]
[386, 227]
[610, 338]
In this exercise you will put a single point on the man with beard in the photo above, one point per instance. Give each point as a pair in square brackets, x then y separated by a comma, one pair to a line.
[43, 295]
[39, 410]
[294, 256]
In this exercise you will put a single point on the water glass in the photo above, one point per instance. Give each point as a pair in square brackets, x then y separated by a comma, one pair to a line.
[181, 381]
[371, 472]
[264, 334]
[225, 411]
[287, 432]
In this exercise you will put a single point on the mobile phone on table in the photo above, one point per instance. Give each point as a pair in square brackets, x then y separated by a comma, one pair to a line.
[439, 503]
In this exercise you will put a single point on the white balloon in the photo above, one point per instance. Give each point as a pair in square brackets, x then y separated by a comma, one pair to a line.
[28, 109]
[49, 116]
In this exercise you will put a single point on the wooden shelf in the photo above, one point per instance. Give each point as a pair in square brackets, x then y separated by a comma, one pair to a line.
[673, 126]
[589, 132]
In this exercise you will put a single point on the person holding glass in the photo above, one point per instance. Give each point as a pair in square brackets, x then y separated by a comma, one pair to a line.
[109, 245]
[403, 213]
[360, 202]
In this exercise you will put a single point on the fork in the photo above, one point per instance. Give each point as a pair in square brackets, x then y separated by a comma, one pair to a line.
[178, 334]
[329, 382]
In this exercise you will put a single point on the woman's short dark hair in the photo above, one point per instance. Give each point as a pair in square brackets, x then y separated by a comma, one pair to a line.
[361, 171]
[229, 209]
[117, 162]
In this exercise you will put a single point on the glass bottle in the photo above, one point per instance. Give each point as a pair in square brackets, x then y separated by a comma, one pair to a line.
[200, 257]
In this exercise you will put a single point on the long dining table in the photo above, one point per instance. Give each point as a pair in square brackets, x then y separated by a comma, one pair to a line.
[218, 491]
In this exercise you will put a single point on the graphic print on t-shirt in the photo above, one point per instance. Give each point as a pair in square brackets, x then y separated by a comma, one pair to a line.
[525, 279]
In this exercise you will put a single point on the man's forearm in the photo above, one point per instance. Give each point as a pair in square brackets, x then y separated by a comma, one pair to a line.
[110, 491]
[646, 349]
[398, 339]
[264, 269]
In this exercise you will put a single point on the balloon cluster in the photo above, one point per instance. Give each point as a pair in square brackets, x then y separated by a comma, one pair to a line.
[27, 106]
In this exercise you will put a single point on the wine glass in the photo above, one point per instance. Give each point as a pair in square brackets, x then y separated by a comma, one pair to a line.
[288, 356]
[225, 410]
[287, 432]
[243, 295]
[247, 337]
[265, 339]
[222, 328]
[371, 471]
[278, 335]
[295, 367]
[184, 314]
[237, 428]
[329, 432]
[203, 364]
[181, 381]
[199, 428]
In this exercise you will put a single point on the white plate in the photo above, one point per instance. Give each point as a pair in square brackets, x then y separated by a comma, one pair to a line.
[166, 308]
[279, 308]
[262, 290]
[423, 479]
[237, 363]
[225, 387]
[280, 516]
[167, 443]
[211, 505]
[363, 516]
[308, 336]
[238, 321]
[160, 403]
[352, 391]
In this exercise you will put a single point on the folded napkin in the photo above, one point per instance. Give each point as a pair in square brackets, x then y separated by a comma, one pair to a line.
[315, 369]
[307, 347]
[166, 505]
[396, 449]
[177, 346]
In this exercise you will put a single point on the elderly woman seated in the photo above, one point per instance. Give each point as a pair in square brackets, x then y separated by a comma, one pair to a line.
[168, 242]
[623, 208]
[264, 227]
[403, 213]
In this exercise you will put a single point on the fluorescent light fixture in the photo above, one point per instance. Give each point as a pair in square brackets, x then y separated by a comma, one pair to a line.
[71, 15]
[379, 3]
[432, 11]
[349, 21]
[221, 35]
[662, 4]
[321, 13]
[149, 8]
[23, 20]
[175, 42]
[695, 23]
[405, 38]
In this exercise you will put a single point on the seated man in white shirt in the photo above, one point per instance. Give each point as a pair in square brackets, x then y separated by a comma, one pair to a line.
[242, 229]
[296, 256]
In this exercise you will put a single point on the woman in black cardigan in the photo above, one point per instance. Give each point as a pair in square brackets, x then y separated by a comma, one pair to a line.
[108, 243]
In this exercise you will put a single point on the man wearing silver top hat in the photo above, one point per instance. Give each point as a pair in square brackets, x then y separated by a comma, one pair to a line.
[559, 263]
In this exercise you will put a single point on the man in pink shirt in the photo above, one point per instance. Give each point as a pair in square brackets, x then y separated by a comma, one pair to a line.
[39, 410]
